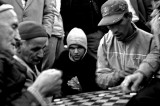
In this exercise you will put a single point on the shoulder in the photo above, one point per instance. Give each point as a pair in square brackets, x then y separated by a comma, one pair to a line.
[65, 53]
[107, 37]
[144, 33]
[6, 57]
[89, 58]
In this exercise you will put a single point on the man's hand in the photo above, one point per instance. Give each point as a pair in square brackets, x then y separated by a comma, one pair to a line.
[132, 82]
[48, 82]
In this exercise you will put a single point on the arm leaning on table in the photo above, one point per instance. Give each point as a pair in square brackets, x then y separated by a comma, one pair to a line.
[148, 68]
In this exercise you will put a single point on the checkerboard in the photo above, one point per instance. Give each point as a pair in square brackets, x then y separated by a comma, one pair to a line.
[98, 98]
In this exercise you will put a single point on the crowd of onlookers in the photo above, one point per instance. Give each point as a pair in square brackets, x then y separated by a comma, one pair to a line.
[54, 48]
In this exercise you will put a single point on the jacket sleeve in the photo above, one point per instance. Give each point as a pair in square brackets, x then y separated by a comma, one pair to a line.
[151, 63]
[27, 99]
[106, 76]
[58, 30]
[17, 98]
[48, 15]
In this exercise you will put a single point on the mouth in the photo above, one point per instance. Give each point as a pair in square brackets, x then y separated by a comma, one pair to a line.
[117, 35]
[76, 56]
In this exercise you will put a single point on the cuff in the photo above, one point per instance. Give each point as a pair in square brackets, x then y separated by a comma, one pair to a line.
[37, 95]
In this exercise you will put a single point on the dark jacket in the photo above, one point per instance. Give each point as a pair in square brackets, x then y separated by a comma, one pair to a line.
[84, 14]
[12, 79]
[83, 69]
[143, 9]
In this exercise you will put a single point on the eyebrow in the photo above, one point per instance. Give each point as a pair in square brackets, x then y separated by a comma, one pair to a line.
[118, 22]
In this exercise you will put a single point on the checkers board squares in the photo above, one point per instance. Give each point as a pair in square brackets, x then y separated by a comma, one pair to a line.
[98, 98]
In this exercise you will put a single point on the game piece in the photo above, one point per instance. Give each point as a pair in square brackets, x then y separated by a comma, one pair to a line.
[59, 102]
[101, 94]
[56, 100]
[133, 94]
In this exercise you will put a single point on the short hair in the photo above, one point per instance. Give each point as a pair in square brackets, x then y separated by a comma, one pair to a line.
[127, 14]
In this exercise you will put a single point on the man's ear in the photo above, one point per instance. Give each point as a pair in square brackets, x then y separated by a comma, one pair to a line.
[130, 15]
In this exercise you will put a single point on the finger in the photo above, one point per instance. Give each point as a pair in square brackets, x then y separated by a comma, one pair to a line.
[135, 85]
[54, 71]
[125, 85]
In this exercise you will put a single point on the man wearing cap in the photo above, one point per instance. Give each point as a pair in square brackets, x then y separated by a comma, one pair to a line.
[30, 49]
[123, 50]
[13, 75]
[77, 65]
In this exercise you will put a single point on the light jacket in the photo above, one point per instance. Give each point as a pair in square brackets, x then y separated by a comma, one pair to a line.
[117, 59]
[40, 11]
[58, 30]
[31, 75]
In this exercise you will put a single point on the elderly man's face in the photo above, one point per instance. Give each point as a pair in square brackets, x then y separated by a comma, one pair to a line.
[8, 30]
[32, 51]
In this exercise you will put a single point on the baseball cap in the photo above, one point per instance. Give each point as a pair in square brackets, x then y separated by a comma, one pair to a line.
[112, 11]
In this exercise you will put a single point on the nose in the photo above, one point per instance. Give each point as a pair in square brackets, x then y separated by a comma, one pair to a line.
[17, 36]
[113, 28]
[40, 53]
[75, 50]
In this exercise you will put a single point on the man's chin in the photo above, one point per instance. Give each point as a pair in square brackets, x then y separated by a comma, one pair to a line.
[76, 59]
[35, 63]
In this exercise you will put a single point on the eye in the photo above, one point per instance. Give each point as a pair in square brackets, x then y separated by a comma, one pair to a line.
[71, 48]
[15, 26]
[35, 49]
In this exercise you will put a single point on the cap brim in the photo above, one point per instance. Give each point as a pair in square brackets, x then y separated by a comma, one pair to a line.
[109, 20]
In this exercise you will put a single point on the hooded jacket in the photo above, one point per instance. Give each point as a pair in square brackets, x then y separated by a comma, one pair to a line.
[77, 36]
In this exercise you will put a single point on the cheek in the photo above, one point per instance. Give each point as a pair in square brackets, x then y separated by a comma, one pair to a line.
[71, 53]
[82, 52]
[32, 56]
[12, 34]
[26, 55]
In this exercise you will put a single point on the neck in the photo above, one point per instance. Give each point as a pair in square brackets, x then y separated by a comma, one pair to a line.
[130, 34]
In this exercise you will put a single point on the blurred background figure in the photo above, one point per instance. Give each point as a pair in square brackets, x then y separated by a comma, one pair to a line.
[141, 11]
[56, 44]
